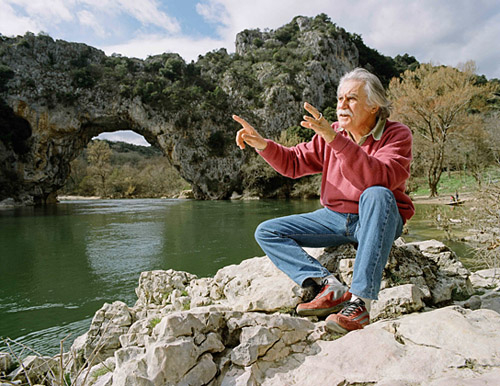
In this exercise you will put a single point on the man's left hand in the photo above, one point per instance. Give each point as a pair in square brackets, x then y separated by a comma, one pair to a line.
[318, 123]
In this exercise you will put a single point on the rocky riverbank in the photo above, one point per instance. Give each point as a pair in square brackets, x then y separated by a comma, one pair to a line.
[435, 323]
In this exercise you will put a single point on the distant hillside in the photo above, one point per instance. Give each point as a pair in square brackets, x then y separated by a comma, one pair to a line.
[124, 150]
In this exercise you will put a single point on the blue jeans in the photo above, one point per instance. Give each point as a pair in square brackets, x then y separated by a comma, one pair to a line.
[374, 229]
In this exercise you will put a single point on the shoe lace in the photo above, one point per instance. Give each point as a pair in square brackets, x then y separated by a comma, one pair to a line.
[351, 307]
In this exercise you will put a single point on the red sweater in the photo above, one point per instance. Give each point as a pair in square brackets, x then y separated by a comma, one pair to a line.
[348, 168]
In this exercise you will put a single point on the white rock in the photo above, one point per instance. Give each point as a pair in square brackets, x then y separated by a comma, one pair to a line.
[238, 377]
[476, 379]
[491, 300]
[5, 361]
[257, 285]
[413, 350]
[254, 342]
[108, 324]
[486, 278]
[223, 340]
[104, 380]
[430, 246]
[38, 369]
[397, 301]
[168, 362]
[177, 324]
[201, 374]
[155, 287]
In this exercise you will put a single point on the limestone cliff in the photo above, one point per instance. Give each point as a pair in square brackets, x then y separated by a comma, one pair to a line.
[55, 96]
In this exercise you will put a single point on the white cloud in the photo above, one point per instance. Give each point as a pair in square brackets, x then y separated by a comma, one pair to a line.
[19, 16]
[55, 10]
[213, 12]
[35, 16]
[12, 24]
[147, 11]
[88, 19]
[124, 136]
[146, 45]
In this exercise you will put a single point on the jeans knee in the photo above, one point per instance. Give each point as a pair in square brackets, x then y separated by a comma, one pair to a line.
[261, 231]
[377, 193]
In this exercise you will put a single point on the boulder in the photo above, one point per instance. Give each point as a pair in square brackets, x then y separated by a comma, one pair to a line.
[256, 285]
[429, 265]
[157, 287]
[97, 375]
[486, 278]
[192, 347]
[5, 362]
[417, 349]
[208, 346]
[103, 338]
[37, 369]
[396, 301]
[487, 286]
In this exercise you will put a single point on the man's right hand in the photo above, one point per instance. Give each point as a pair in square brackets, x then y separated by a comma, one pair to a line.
[248, 135]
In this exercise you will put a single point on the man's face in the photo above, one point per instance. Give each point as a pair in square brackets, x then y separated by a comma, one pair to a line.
[353, 111]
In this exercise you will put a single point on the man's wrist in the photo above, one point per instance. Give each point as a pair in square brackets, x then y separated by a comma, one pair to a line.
[329, 137]
[263, 148]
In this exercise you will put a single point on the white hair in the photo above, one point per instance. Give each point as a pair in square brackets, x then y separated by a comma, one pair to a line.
[375, 92]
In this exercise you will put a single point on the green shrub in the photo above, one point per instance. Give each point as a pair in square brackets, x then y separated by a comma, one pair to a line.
[6, 73]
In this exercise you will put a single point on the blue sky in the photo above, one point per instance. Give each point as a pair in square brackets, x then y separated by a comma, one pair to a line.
[446, 32]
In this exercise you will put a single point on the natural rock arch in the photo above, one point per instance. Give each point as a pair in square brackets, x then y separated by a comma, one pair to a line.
[42, 131]
[55, 96]
[57, 137]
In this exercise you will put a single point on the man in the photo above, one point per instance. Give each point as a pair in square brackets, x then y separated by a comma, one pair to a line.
[365, 161]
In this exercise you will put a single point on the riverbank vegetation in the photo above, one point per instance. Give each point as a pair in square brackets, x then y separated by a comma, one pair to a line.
[121, 170]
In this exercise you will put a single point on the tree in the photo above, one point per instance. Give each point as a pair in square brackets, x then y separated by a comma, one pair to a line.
[437, 102]
[98, 155]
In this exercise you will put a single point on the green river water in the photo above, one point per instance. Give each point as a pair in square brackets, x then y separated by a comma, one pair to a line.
[59, 264]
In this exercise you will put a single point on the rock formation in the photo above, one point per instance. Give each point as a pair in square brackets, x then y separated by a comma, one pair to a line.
[56, 96]
[239, 328]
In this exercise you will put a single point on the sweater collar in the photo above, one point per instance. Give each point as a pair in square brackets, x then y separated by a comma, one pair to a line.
[376, 132]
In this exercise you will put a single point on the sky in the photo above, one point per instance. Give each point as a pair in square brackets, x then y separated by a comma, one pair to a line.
[447, 32]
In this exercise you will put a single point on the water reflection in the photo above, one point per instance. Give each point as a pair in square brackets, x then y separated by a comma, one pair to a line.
[116, 249]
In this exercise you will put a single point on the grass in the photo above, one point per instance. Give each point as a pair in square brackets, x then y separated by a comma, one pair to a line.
[457, 181]
[153, 322]
[100, 372]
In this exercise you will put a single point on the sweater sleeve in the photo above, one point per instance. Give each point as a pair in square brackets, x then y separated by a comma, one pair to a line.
[297, 161]
[388, 166]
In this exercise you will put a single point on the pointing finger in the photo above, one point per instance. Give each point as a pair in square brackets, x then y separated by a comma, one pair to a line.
[242, 122]
[312, 110]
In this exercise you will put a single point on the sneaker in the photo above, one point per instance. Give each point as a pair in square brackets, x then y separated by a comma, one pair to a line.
[331, 298]
[353, 316]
